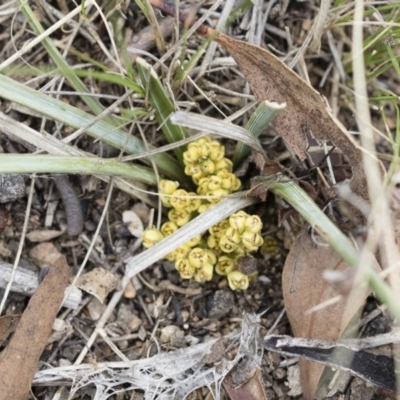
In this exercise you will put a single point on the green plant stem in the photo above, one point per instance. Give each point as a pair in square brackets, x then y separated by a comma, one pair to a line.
[51, 164]
[259, 120]
[72, 116]
[162, 105]
[300, 201]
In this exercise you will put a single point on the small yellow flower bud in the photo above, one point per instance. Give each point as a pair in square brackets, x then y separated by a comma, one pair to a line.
[193, 169]
[225, 265]
[203, 186]
[251, 241]
[212, 242]
[180, 217]
[194, 242]
[165, 201]
[170, 256]
[197, 257]
[204, 150]
[179, 253]
[227, 180]
[204, 139]
[167, 187]
[180, 199]
[223, 164]
[169, 228]
[212, 258]
[192, 154]
[226, 245]
[214, 183]
[185, 269]
[217, 151]
[238, 281]
[204, 207]
[207, 167]
[237, 221]
[196, 177]
[219, 229]
[236, 185]
[253, 224]
[233, 235]
[182, 251]
[205, 273]
[193, 202]
[217, 195]
[151, 237]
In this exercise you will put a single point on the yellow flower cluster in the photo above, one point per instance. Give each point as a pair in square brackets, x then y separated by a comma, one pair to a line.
[227, 241]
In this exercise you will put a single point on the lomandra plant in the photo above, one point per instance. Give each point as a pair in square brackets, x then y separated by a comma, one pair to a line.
[226, 242]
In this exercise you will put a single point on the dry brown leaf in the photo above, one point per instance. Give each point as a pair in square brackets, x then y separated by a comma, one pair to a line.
[303, 288]
[18, 362]
[307, 113]
[43, 236]
[98, 282]
[44, 254]
[253, 389]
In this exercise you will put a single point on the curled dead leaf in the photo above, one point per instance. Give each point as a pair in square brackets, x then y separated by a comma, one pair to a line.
[307, 113]
[98, 282]
[304, 288]
[43, 235]
[133, 222]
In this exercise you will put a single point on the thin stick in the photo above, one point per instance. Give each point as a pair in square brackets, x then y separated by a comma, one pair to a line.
[20, 246]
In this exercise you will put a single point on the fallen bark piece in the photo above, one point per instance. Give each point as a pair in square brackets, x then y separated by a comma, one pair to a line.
[8, 324]
[19, 360]
[26, 282]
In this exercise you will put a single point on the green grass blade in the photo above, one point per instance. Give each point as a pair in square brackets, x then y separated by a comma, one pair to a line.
[51, 164]
[62, 112]
[162, 105]
[217, 127]
[104, 76]
[264, 114]
[184, 70]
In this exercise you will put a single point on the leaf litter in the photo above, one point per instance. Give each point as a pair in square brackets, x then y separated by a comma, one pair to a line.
[307, 116]
[18, 362]
[175, 374]
[298, 135]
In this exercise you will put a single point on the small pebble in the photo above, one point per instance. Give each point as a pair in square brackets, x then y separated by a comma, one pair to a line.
[279, 374]
[220, 303]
